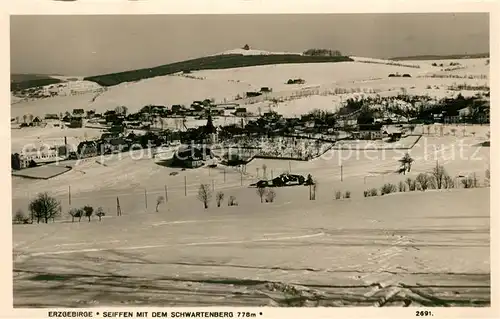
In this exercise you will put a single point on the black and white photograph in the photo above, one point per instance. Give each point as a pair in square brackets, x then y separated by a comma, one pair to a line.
[250, 160]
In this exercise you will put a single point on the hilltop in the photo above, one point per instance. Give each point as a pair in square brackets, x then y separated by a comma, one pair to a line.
[221, 61]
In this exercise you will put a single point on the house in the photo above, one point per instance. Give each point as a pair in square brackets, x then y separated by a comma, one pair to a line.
[464, 113]
[118, 144]
[39, 155]
[117, 128]
[50, 116]
[240, 111]
[87, 149]
[394, 132]
[76, 122]
[177, 109]
[265, 89]
[295, 81]
[36, 121]
[191, 156]
[368, 132]
[90, 114]
[78, 113]
[253, 94]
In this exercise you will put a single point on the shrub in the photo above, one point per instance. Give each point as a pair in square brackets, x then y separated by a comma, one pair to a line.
[159, 200]
[270, 196]
[232, 201]
[374, 192]
[448, 182]
[470, 182]
[366, 193]
[412, 185]
[423, 181]
[99, 213]
[388, 188]
[338, 194]
[261, 191]
[402, 186]
[19, 217]
[347, 194]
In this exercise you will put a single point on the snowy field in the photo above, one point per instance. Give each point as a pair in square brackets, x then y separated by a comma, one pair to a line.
[245, 255]
[323, 253]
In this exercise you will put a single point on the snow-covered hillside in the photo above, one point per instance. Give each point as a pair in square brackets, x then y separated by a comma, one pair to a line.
[323, 81]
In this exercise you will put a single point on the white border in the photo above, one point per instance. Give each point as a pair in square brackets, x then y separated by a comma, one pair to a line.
[245, 7]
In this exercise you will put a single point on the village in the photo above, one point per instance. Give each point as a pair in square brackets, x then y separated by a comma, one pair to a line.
[385, 119]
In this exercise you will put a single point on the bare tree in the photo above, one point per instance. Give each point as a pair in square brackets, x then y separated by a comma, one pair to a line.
[270, 196]
[439, 174]
[75, 213]
[204, 194]
[99, 213]
[219, 197]
[406, 162]
[261, 191]
[44, 207]
[159, 200]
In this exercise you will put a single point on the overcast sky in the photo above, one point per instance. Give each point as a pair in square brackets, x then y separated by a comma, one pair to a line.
[91, 45]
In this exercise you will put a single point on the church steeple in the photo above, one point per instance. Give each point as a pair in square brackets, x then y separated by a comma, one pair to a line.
[209, 128]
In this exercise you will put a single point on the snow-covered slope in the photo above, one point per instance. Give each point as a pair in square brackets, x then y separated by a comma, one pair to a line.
[363, 76]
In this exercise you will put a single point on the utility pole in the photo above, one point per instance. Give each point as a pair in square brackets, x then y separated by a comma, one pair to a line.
[185, 186]
[166, 194]
[341, 173]
[118, 209]
[146, 198]
[213, 185]
[224, 175]
[69, 195]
